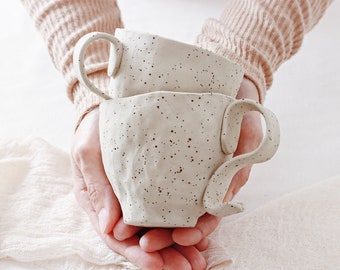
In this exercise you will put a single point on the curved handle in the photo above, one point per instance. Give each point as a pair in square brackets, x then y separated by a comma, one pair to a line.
[221, 179]
[116, 52]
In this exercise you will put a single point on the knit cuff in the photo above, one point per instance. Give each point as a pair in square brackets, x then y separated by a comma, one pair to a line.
[236, 50]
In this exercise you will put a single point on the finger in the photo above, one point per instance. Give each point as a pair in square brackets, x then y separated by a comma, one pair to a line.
[124, 231]
[129, 248]
[156, 239]
[106, 205]
[94, 184]
[193, 256]
[84, 201]
[174, 260]
[80, 191]
[206, 224]
[203, 244]
[250, 138]
[250, 133]
[238, 181]
[89, 169]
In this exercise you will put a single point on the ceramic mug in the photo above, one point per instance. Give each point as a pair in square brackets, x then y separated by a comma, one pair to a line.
[141, 63]
[168, 153]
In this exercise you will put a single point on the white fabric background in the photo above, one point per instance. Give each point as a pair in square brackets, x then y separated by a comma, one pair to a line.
[43, 227]
[305, 95]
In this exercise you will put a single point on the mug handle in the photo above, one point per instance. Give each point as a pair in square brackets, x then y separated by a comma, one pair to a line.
[221, 179]
[116, 52]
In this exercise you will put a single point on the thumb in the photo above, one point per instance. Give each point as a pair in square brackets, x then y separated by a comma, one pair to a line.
[100, 194]
[250, 138]
[92, 187]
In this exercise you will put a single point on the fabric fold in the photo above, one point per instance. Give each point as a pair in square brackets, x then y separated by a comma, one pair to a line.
[299, 230]
[40, 220]
[42, 226]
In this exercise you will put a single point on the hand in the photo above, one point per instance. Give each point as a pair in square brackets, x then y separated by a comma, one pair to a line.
[95, 195]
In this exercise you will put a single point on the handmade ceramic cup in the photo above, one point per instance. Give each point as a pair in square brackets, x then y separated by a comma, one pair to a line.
[169, 128]
[141, 63]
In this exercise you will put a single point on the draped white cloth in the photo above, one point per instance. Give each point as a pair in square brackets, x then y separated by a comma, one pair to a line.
[42, 226]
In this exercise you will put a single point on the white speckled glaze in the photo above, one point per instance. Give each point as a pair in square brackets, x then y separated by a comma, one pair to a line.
[141, 63]
[170, 127]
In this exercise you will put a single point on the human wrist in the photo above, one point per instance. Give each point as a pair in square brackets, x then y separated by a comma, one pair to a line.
[253, 70]
[248, 90]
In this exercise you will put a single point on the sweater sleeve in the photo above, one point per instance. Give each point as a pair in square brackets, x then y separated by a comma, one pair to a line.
[62, 23]
[261, 34]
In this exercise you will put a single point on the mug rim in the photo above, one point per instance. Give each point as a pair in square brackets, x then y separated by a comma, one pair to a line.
[181, 43]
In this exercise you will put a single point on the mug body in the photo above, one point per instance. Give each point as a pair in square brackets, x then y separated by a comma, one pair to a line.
[159, 152]
[152, 63]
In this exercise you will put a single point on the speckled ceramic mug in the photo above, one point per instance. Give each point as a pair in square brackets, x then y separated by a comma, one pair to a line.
[141, 63]
[168, 143]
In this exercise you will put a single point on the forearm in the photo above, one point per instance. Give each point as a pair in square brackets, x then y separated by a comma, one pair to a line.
[62, 23]
[261, 34]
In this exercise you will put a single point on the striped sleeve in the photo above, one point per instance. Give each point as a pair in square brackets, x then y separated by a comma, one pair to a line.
[61, 24]
[261, 34]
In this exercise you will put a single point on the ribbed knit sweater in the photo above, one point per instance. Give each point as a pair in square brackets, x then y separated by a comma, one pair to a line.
[257, 34]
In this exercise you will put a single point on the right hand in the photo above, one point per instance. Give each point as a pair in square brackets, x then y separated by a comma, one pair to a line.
[96, 196]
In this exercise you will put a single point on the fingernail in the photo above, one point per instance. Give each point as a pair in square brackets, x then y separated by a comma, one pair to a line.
[143, 243]
[118, 235]
[195, 236]
[103, 220]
